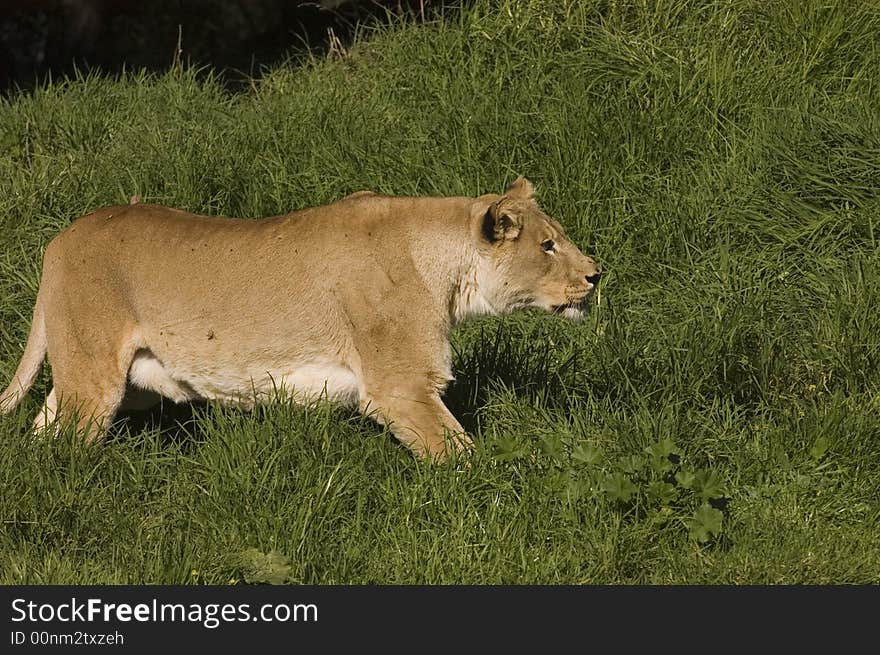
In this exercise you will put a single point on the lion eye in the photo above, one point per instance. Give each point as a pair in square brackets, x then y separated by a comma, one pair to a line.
[548, 245]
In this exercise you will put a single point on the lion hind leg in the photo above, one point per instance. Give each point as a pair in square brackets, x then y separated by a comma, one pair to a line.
[46, 417]
[90, 389]
[92, 408]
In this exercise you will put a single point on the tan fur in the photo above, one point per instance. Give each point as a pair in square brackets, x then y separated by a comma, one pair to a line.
[352, 300]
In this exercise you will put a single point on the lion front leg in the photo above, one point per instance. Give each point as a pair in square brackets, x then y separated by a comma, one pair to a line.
[419, 419]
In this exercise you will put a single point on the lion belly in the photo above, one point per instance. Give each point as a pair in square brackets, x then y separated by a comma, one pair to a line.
[303, 381]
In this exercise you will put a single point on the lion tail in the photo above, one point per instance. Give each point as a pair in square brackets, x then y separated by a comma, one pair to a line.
[29, 366]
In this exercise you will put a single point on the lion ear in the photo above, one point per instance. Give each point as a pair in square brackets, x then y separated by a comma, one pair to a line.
[521, 188]
[501, 222]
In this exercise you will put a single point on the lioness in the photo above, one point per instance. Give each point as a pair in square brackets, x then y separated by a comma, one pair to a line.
[353, 300]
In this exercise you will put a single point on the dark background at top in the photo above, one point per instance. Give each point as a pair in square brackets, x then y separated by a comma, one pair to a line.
[237, 38]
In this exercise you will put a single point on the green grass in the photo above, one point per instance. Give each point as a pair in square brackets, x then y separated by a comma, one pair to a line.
[715, 420]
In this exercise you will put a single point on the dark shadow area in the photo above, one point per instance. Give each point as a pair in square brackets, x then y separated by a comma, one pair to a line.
[177, 423]
[528, 365]
[238, 39]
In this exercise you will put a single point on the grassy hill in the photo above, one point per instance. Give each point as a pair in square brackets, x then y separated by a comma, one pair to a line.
[716, 419]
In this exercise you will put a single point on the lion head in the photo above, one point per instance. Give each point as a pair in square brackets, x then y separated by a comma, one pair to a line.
[528, 261]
